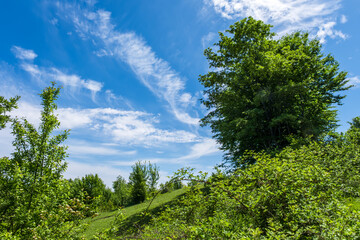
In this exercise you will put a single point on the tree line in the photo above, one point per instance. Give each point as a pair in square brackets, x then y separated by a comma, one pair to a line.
[141, 185]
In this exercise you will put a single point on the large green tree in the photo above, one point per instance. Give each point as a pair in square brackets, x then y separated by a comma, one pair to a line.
[261, 90]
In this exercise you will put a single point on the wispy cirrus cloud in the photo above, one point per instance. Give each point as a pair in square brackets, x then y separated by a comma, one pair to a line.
[23, 54]
[155, 73]
[355, 81]
[202, 148]
[53, 74]
[125, 127]
[317, 16]
[83, 148]
[206, 147]
[128, 128]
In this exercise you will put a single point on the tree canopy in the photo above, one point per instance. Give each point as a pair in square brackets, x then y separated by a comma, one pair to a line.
[262, 91]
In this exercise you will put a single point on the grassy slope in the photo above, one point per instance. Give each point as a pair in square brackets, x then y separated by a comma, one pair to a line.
[104, 219]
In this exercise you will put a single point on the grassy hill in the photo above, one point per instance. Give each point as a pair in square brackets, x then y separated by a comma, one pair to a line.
[132, 213]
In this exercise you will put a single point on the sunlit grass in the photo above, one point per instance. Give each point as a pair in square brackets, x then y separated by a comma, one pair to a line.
[104, 219]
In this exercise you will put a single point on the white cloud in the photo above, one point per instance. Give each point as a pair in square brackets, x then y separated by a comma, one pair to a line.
[327, 29]
[89, 149]
[23, 54]
[54, 21]
[124, 127]
[354, 81]
[155, 73]
[9, 82]
[343, 19]
[207, 147]
[287, 15]
[105, 171]
[119, 100]
[30, 112]
[72, 81]
[53, 74]
[6, 139]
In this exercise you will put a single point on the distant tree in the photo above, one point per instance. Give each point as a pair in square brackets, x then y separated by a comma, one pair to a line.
[143, 180]
[262, 90]
[108, 199]
[93, 185]
[153, 172]
[121, 191]
[92, 191]
[138, 179]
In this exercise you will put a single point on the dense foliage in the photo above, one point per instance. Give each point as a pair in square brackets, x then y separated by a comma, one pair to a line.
[297, 194]
[92, 191]
[264, 90]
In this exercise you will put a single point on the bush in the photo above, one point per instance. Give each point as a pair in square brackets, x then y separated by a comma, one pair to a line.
[298, 194]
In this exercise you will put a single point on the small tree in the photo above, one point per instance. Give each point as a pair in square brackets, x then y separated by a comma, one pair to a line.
[33, 195]
[121, 191]
[153, 177]
[138, 179]
[263, 91]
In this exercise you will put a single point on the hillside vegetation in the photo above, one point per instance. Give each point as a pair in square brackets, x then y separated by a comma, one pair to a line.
[131, 216]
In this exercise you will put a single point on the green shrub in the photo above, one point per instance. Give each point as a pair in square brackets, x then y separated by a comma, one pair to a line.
[298, 194]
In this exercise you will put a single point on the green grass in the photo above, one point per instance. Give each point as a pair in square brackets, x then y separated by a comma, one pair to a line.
[104, 219]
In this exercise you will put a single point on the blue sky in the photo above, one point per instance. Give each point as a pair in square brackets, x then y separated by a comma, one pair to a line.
[129, 71]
